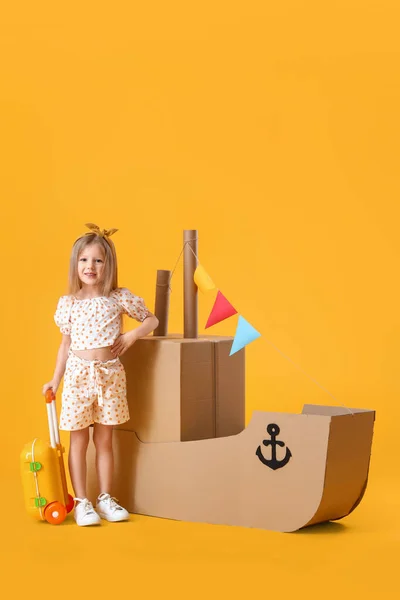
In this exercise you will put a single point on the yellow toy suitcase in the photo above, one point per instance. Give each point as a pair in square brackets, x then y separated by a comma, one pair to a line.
[43, 473]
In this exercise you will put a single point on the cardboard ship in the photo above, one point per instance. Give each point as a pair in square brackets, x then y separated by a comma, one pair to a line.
[187, 455]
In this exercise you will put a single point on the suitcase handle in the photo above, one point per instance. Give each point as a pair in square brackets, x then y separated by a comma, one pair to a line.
[55, 440]
[52, 418]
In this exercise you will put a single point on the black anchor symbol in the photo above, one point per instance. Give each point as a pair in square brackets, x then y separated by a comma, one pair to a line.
[274, 464]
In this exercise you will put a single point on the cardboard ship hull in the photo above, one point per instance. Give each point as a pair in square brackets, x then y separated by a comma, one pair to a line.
[282, 472]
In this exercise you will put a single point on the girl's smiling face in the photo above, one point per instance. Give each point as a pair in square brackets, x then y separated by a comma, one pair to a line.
[91, 265]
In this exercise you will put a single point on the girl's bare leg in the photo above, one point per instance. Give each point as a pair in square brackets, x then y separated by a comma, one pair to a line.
[79, 441]
[102, 438]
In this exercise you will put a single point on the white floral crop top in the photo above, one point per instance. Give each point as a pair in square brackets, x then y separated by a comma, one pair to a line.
[96, 322]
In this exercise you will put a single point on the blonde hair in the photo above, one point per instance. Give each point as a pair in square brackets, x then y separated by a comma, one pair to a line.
[110, 273]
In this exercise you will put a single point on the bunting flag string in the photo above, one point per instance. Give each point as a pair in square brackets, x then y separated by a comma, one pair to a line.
[222, 309]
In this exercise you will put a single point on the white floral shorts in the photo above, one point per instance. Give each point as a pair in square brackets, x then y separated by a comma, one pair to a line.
[94, 392]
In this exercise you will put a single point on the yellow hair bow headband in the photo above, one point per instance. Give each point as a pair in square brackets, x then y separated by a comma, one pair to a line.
[101, 232]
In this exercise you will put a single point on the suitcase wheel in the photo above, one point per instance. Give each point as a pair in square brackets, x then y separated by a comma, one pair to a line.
[55, 513]
[71, 503]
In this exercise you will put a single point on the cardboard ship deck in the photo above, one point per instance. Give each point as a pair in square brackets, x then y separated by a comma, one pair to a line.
[282, 472]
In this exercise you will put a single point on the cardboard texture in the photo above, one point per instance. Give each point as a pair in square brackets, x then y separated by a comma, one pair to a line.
[283, 472]
[183, 389]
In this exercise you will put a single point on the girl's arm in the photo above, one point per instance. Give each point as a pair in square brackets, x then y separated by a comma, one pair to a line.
[60, 365]
[147, 326]
[124, 341]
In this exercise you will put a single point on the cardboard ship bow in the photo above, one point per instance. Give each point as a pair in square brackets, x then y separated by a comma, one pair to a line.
[187, 455]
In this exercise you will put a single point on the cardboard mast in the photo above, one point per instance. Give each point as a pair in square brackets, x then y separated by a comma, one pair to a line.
[190, 303]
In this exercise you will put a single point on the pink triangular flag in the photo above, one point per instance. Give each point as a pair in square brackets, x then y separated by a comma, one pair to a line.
[221, 310]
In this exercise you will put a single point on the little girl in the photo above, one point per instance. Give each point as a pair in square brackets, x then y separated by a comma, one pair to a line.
[94, 390]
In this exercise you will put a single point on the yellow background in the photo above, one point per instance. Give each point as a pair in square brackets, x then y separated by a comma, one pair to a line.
[273, 129]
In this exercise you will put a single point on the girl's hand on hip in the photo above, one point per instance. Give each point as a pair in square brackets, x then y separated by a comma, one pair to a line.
[123, 342]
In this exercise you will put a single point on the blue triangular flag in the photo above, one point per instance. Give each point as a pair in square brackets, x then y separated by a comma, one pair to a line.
[245, 333]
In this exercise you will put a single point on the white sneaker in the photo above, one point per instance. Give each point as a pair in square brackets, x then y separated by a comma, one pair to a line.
[109, 509]
[85, 514]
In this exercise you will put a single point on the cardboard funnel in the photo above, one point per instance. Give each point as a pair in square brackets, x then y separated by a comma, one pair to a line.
[283, 472]
[161, 309]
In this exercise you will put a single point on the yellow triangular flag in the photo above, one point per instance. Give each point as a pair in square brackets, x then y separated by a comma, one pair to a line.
[203, 280]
